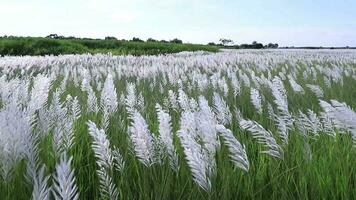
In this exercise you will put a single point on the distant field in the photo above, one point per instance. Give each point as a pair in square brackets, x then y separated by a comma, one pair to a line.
[247, 124]
[46, 46]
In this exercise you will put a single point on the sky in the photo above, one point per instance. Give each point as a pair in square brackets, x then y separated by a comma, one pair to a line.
[286, 22]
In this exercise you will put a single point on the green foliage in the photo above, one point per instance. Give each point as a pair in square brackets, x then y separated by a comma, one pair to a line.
[49, 46]
[177, 41]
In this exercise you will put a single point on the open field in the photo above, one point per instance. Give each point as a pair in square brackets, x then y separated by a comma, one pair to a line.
[245, 124]
[17, 46]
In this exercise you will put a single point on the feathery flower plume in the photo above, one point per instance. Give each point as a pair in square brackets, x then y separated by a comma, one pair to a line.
[64, 187]
[328, 126]
[108, 99]
[207, 132]
[92, 103]
[75, 109]
[15, 128]
[316, 89]
[237, 152]
[39, 93]
[282, 129]
[105, 161]
[341, 115]
[263, 137]
[142, 139]
[183, 100]
[256, 100]
[166, 136]
[131, 99]
[295, 86]
[280, 99]
[195, 157]
[172, 99]
[119, 160]
[235, 85]
[41, 190]
[221, 110]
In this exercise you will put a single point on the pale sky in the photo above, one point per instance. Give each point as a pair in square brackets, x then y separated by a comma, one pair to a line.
[292, 23]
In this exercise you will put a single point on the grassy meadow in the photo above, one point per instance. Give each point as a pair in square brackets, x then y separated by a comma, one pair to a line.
[249, 124]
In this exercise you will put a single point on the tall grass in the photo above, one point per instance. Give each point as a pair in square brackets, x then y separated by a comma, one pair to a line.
[229, 125]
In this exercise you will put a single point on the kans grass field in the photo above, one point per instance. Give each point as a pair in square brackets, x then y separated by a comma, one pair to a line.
[247, 124]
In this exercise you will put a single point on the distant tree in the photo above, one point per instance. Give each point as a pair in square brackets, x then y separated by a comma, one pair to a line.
[151, 40]
[211, 43]
[177, 41]
[110, 38]
[256, 45]
[224, 41]
[51, 36]
[71, 38]
[135, 39]
[244, 46]
[55, 36]
[272, 46]
[164, 41]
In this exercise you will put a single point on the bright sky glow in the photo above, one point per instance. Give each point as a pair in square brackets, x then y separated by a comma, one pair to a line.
[292, 22]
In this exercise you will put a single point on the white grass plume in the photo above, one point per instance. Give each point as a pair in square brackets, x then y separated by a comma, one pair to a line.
[41, 190]
[316, 89]
[142, 139]
[75, 109]
[39, 93]
[341, 115]
[295, 86]
[263, 137]
[235, 84]
[104, 160]
[256, 100]
[183, 100]
[283, 120]
[237, 151]
[280, 99]
[64, 187]
[166, 136]
[282, 129]
[221, 110]
[207, 131]
[15, 127]
[92, 102]
[193, 151]
[327, 123]
[172, 99]
[131, 98]
[119, 160]
[108, 98]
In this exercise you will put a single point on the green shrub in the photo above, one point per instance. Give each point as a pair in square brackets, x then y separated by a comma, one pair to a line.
[50, 46]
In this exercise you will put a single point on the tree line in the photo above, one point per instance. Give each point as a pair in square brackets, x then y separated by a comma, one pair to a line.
[134, 39]
[55, 45]
[228, 43]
